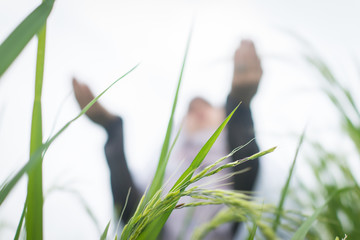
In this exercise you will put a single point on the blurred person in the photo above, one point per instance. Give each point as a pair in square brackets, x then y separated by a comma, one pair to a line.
[201, 120]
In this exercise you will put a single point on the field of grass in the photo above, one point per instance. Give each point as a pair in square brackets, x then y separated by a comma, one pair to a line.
[334, 203]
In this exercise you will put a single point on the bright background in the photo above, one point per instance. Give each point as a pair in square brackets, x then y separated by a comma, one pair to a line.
[98, 41]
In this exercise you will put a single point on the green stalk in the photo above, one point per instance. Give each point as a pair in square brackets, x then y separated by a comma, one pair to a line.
[34, 213]
[165, 153]
[285, 189]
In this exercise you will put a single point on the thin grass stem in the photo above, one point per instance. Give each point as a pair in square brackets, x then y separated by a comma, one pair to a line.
[35, 200]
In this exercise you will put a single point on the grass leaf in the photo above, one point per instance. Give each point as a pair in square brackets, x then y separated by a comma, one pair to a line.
[34, 213]
[21, 221]
[286, 186]
[104, 235]
[165, 154]
[252, 232]
[19, 38]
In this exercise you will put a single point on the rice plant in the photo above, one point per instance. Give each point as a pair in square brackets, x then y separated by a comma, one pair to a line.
[155, 206]
[335, 179]
[161, 206]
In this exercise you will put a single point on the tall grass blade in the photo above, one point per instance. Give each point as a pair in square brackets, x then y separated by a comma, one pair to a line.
[35, 157]
[123, 210]
[122, 213]
[104, 234]
[34, 213]
[286, 186]
[153, 230]
[165, 154]
[17, 40]
[173, 144]
[252, 232]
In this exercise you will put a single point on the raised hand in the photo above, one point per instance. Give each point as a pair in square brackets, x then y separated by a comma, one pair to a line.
[247, 72]
[97, 113]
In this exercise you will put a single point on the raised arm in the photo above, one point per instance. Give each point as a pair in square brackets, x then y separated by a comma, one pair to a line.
[120, 177]
[247, 74]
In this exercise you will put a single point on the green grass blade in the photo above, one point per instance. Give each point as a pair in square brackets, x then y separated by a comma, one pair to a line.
[285, 190]
[21, 221]
[158, 179]
[17, 40]
[153, 230]
[163, 160]
[104, 235]
[306, 225]
[123, 210]
[34, 213]
[253, 232]
[173, 144]
[35, 157]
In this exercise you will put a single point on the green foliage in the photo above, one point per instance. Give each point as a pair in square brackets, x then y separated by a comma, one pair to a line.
[252, 232]
[160, 207]
[332, 172]
[335, 182]
[237, 210]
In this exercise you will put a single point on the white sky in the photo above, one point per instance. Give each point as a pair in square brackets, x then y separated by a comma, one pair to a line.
[98, 41]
